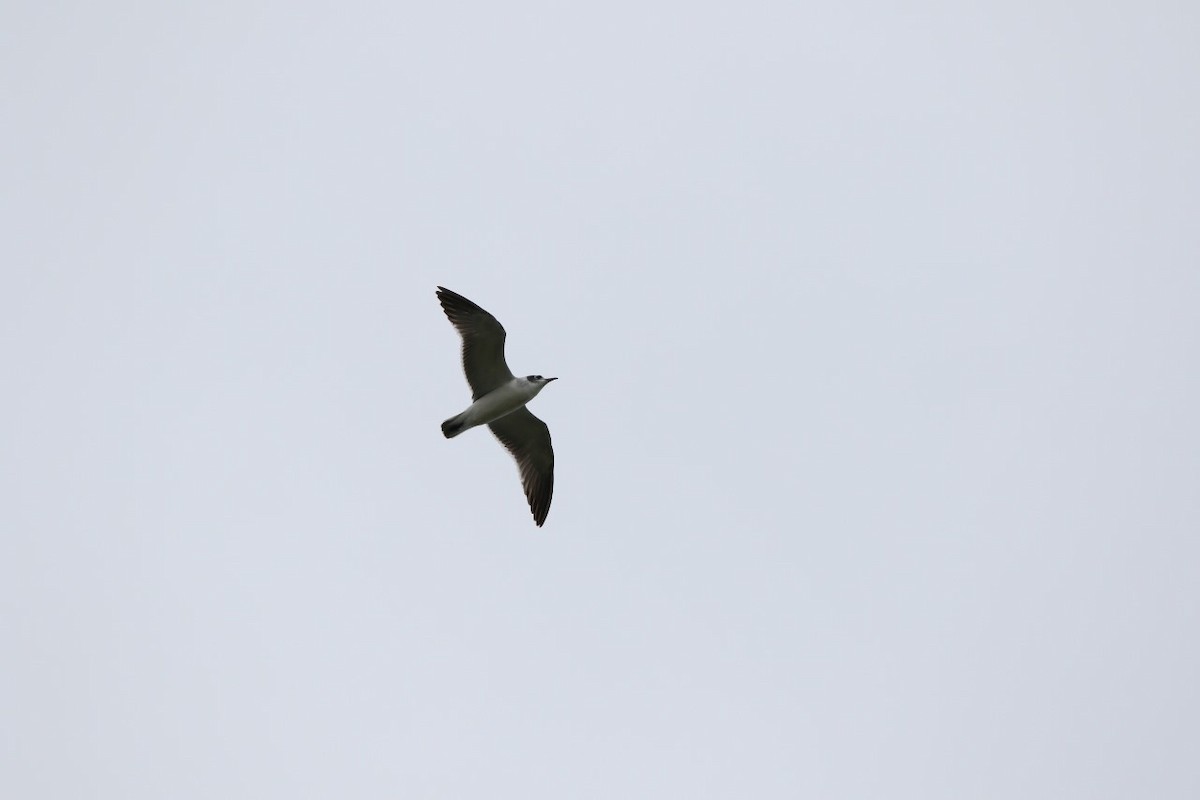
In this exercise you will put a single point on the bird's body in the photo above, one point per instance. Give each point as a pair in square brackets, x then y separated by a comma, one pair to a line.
[500, 399]
[504, 399]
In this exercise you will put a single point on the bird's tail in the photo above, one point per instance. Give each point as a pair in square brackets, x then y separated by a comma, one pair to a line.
[454, 426]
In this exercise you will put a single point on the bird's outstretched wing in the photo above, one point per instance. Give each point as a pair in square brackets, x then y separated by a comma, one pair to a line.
[483, 343]
[528, 439]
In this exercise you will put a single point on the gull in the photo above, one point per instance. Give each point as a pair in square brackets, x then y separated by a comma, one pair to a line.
[499, 400]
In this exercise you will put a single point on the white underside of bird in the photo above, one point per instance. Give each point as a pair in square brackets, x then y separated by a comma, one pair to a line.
[499, 402]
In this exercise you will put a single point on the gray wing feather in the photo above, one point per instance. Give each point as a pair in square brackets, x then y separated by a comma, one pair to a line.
[528, 439]
[483, 343]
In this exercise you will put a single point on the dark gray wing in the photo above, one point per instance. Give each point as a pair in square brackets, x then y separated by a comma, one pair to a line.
[528, 439]
[483, 343]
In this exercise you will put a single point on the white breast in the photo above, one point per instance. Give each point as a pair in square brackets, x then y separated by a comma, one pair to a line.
[502, 400]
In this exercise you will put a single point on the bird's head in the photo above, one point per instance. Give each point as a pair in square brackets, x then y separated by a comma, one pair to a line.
[539, 381]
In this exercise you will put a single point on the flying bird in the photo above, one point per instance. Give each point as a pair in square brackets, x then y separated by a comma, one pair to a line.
[499, 400]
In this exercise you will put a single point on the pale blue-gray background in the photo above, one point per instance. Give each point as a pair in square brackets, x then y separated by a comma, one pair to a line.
[878, 453]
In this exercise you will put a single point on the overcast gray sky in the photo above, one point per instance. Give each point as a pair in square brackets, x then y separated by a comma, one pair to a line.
[876, 433]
